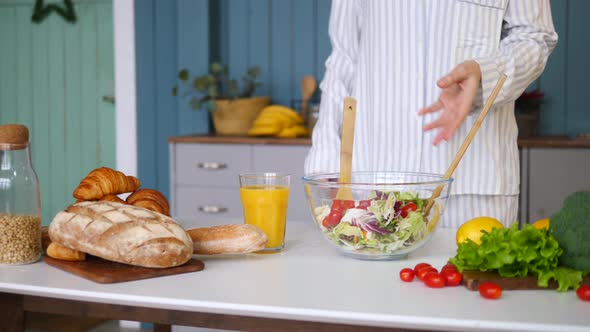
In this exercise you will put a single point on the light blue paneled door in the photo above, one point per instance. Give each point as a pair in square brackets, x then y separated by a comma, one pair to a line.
[53, 77]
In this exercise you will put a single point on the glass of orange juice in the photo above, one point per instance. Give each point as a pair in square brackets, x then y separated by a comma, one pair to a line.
[264, 199]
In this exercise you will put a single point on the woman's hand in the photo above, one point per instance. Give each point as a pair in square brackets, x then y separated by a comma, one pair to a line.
[458, 92]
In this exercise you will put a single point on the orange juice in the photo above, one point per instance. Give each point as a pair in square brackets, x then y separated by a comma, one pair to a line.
[265, 206]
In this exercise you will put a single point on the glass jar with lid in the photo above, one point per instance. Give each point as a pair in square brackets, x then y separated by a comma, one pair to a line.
[20, 198]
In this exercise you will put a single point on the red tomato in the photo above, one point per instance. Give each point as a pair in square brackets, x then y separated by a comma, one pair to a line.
[332, 219]
[406, 274]
[490, 290]
[449, 266]
[434, 280]
[342, 204]
[407, 208]
[452, 278]
[583, 292]
[364, 204]
[420, 266]
[424, 271]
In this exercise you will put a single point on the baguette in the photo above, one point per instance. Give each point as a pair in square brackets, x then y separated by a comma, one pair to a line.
[57, 251]
[227, 239]
[122, 233]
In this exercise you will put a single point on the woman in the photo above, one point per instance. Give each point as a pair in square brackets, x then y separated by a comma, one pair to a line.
[420, 71]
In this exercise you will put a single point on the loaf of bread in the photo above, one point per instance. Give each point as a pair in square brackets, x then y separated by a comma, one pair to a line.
[57, 251]
[103, 181]
[227, 239]
[122, 233]
[149, 199]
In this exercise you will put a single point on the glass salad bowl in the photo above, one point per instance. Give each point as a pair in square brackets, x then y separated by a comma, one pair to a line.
[386, 218]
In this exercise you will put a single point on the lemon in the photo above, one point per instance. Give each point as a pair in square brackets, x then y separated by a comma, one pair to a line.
[541, 224]
[471, 229]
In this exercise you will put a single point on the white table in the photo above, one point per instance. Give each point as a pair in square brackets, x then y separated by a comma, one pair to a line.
[309, 286]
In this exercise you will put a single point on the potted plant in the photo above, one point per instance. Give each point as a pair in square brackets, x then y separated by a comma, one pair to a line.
[232, 105]
[527, 108]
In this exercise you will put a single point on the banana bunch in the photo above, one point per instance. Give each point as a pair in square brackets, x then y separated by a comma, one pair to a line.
[279, 121]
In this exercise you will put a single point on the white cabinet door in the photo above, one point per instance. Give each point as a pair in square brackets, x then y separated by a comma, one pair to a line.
[288, 159]
[554, 174]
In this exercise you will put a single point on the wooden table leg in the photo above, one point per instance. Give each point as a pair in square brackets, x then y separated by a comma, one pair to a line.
[162, 328]
[12, 315]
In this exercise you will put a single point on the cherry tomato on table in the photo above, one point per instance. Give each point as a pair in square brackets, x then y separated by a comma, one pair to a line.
[406, 274]
[583, 292]
[406, 209]
[450, 267]
[424, 271]
[490, 290]
[452, 277]
[420, 266]
[434, 280]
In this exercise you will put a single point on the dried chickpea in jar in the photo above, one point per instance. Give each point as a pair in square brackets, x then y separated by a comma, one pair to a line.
[20, 211]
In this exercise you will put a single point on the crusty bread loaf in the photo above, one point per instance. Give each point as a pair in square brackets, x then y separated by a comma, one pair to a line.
[122, 233]
[57, 251]
[227, 239]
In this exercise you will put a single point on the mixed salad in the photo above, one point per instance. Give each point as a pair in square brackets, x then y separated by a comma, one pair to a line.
[384, 223]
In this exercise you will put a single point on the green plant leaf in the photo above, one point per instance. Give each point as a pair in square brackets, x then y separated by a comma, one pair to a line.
[183, 74]
[210, 79]
[232, 87]
[200, 83]
[211, 105]
[175, 91]
[213, 91]
[195, 103]
[216, 68]
[253, 72]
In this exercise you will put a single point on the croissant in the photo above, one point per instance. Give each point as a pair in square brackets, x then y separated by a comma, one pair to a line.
[112, 198]
[150, 199]
[103, 181]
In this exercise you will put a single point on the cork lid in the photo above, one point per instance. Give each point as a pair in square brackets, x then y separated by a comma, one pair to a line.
[13, 137]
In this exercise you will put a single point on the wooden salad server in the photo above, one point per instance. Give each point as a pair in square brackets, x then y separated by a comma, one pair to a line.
[346, 144]
[466, 142]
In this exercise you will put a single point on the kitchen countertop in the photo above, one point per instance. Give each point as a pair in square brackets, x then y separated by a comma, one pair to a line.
[529, 142]
[311, 281]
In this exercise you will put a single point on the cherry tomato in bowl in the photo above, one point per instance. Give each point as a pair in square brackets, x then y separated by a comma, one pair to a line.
[406, 209]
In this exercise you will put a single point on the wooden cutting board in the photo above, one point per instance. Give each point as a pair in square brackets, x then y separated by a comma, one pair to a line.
[472, 280]
[106, 272]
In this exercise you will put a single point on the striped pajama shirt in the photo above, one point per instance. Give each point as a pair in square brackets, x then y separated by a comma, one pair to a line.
[388, 54]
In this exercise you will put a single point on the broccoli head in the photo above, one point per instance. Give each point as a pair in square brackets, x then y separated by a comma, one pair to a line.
[571, 228]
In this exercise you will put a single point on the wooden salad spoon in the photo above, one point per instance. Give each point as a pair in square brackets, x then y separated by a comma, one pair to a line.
[466, 142]
[346, 144]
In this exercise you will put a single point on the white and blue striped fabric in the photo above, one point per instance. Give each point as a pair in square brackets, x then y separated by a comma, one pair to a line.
[388, 54]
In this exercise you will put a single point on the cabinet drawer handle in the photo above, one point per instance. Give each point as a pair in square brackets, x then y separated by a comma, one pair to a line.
[211, 165]
[212, 209]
